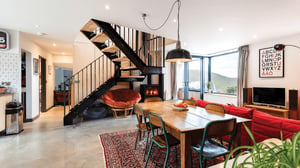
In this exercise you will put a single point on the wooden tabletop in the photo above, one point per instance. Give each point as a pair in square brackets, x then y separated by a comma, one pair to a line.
[193, 119]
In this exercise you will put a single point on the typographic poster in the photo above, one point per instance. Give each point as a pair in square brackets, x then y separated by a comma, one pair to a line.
[271, 63]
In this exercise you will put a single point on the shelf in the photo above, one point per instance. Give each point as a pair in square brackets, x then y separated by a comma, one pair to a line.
[90, 26]
[278, 112]
[100, 38]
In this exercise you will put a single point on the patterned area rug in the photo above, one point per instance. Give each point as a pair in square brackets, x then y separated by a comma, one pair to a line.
[120, 153]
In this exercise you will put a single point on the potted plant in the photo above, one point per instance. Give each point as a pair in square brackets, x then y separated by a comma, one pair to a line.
[209, 87]
[269, 154]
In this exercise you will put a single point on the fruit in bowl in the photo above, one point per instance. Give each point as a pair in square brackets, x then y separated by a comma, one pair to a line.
[181, 104]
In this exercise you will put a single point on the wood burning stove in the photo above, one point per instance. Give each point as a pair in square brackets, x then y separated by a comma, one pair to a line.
[150, 91]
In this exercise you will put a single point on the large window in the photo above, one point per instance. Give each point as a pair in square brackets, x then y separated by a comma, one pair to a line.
[194, 74]
[224, 73]
[219, 72]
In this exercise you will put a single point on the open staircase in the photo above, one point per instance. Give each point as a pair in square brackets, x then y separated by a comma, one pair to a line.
[129, 55]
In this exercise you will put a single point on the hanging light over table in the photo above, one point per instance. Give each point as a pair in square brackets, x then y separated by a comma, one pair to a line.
[178, 54]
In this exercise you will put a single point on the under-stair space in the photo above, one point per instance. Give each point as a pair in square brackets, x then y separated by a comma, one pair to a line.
[129, 55]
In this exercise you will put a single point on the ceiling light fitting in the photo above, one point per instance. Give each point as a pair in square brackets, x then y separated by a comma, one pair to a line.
[279, 47]
[178, 54]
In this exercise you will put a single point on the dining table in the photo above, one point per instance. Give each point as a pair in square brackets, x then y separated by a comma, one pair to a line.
[187, 125]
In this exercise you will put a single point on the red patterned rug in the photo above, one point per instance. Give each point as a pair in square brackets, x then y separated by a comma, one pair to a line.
[120, 153]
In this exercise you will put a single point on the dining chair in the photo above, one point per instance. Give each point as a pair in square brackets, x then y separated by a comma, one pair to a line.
[153, 99]
[143, 126]
[164, 140]
[215, 108]
[208, 148]
[190, 102]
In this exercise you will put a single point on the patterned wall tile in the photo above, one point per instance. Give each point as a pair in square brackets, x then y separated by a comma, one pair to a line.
[10, 71]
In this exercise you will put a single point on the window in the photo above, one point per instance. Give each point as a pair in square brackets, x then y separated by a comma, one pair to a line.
[224, 73]
[194, 74]
[220, 70]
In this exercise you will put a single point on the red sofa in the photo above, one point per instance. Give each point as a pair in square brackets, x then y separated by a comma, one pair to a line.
[263, 126]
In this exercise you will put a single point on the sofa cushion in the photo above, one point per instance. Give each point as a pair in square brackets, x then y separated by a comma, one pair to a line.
[289, 128]
[241, 112]
[200, 103]
[265, 126]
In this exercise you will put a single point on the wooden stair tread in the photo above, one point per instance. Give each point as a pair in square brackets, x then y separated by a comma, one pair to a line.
[90, 26]
[100, 38]
[120, 59]
[128, 68]
[132, 76]
[111, 49]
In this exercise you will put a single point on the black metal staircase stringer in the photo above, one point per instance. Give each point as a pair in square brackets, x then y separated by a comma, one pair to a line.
[122, 45]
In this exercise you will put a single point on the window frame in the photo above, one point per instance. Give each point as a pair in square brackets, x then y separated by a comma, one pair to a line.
[202, 74]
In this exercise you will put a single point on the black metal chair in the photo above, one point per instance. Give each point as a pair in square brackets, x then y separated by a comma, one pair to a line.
[143, 126]
[208, 148]
[164, 140]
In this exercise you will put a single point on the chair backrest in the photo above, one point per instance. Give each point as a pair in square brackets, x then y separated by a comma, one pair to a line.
[139, 112]
[153, 99]
[215, 108]
[156, 120]
[190, 102]
[220, 128]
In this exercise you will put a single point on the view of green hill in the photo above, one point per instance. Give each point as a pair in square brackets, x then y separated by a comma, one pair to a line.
[221, 84]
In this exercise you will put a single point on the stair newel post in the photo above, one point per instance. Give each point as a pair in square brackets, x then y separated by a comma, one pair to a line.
[64, 96]
[70, 92]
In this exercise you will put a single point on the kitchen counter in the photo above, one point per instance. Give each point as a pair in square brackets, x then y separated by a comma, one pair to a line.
[4, 99]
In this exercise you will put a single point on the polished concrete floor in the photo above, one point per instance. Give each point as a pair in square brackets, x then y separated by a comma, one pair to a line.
[46, 143]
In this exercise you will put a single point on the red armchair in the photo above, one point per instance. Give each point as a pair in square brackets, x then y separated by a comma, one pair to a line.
[121, 100]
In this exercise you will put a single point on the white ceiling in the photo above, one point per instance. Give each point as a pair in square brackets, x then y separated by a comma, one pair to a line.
[200, 20]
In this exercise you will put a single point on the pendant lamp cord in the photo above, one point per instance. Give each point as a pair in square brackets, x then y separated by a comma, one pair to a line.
[159, 27]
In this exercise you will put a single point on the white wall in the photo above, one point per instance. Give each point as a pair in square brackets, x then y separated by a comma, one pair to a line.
[10, 65]
[33, 89]
[291, 65]
[65, 61]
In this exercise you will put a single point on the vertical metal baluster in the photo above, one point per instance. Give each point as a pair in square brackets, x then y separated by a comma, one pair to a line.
[99, 71]
[82, 88]
[156, 50]
[86, 81]
[163, 57]
[95, 74]
[91, 78]
[103, 69]
[73, 83]
[78, 88]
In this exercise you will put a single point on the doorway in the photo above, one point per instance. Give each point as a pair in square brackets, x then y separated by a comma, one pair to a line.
[43, 82]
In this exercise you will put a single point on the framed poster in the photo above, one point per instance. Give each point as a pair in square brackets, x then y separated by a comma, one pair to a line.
[271, 63]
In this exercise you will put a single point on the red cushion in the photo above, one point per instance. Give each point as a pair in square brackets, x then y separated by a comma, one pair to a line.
[265, 126]
[200, 103]
[121, 97]
[241, 112]
[290, 127]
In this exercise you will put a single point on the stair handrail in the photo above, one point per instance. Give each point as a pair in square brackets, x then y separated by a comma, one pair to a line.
[93, 86]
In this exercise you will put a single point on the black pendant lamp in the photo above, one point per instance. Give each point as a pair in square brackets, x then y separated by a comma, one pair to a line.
[178, 54]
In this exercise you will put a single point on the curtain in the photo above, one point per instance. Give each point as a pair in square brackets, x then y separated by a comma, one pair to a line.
[242, 72]
[173, 70]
